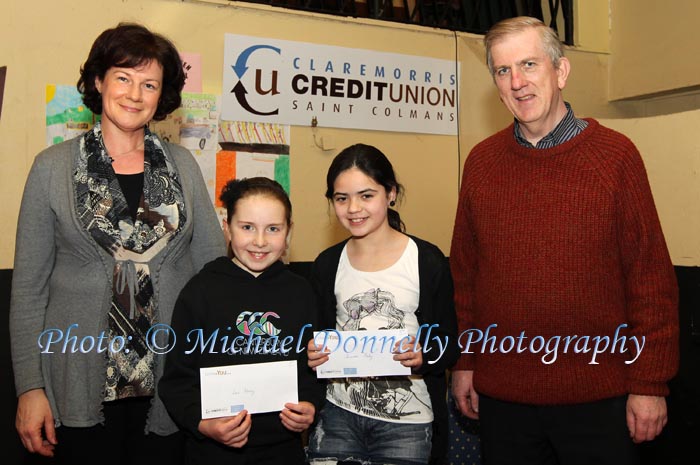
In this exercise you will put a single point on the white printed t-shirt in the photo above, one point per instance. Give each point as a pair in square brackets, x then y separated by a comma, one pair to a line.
[372, 300]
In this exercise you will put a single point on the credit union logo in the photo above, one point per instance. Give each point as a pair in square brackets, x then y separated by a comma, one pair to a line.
[240, 68]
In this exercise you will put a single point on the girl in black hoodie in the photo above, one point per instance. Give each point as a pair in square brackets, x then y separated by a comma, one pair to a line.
[252, 290]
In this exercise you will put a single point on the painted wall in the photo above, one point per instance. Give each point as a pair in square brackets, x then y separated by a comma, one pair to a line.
[50, 48]
[592, 28]
[654, 47]
[671, 153]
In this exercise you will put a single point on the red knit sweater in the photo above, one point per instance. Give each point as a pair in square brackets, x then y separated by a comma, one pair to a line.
[563, 242]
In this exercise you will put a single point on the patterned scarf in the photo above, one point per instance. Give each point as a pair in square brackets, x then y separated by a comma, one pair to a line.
[104, 213]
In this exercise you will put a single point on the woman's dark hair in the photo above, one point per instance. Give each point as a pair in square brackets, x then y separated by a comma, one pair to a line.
[372, 162]
[128, 46]
[238, 189]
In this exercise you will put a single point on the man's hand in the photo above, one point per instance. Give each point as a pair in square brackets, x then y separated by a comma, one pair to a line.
[646, 417]
[464, 394]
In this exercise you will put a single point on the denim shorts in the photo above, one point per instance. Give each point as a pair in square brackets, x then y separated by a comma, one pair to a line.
[341, 435]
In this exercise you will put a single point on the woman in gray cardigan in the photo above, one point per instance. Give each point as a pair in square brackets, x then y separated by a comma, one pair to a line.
[112, 224]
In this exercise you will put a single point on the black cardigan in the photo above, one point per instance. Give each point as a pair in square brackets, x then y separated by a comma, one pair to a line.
[435, 306]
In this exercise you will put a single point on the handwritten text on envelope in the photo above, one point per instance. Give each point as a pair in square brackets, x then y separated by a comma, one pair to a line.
[255, 387]
[361, 353]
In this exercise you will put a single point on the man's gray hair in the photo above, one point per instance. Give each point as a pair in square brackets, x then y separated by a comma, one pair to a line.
[550, 40]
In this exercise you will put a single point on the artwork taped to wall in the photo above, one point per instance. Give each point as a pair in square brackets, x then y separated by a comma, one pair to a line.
[226, 150]
[194, 125]
[192, 65]
[252, 149]
[66, 114]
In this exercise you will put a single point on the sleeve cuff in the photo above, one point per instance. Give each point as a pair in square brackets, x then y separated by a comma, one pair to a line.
[465, 362]
[647, 388]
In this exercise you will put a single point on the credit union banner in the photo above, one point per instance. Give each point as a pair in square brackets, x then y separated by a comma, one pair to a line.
[279, 81]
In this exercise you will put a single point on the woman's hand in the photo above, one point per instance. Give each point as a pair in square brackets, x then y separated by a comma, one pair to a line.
[408, 355]
[33, 416]
[230, 431]
[298, 417]
[315, 355]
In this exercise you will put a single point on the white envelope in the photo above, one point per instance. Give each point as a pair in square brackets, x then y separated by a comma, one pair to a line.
[360, 354]
[256, 387]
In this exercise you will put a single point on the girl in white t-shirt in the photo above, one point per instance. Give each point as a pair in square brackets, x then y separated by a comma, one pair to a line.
[381, 278]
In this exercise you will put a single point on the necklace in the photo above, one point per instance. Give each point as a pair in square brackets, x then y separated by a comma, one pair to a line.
[111, 157]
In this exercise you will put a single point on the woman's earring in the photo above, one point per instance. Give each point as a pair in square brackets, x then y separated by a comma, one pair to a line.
[392, 203]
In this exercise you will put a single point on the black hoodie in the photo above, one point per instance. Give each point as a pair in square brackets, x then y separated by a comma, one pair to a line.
[226, 298]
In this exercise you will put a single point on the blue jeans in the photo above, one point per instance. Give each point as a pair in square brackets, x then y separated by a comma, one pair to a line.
[341, 435]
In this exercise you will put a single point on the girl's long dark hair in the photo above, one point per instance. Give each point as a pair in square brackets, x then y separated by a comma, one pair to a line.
[372, 162]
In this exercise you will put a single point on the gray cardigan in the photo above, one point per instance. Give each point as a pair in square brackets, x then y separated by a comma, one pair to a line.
[62, 277]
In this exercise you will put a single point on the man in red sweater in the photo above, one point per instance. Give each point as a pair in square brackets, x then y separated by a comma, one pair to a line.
[565, 292]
